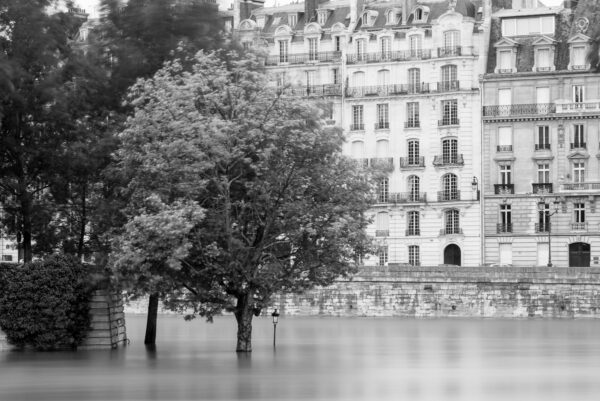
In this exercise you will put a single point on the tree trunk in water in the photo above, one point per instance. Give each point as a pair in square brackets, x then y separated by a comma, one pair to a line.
[150, 338]
[243, 315]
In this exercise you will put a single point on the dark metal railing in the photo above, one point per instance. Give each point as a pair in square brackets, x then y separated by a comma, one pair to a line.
[448, 121]
[382, 233]
[408, 197]
[402, 55]
[386, 90]
[412, 231]
[542, 227]
[382, 163]
[542, 146]
[449, 51]
[408, 162]
[542, 188]
[579, 226]
[504, 148]
[503, 228]
[449, 160]
[382, 125]
[362, 162]
[302, 58]
[578, 145]
[445, 86]
[447, 196]
[357, 127]
[519, 109]
[451, 230]
[504, 189]
[412, 124]
[314, 90]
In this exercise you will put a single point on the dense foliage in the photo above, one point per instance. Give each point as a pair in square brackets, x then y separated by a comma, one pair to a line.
[45, 304]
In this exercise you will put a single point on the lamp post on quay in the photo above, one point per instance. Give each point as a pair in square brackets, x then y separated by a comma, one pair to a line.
[542, 208]
[275, 316]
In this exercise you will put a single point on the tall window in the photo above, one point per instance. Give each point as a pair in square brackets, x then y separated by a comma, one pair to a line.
[413, 223]
[578, 57]
[543, 173]
[450, 188]
[385, 47]
[383, 192]
[505, 219]
[310, 78]
[382, 254]
[413, 152]
[337, 43]
[413, 188]
[382, 224]
[358, 79]
[412, 113]
[357, 118]
[335, 76]
[578, 93]
[283, 51]
[504, 139]
[313, 49]
[360, 49]
[449, 78]
[578, 137]
[414, 255]
[414, 80]
[416, 45]
[450, 151]
[383, 121]
[358, 149]
[293, 20]
[449, 112]
[452, 222]
[451, 43]
[579, 212]
[579, 172]
[383, 77]
[543, 137]
[544, 218]
[543, 59]
[505, 63]
[505, 174]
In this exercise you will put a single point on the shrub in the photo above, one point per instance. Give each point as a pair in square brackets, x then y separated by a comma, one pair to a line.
[45, 304]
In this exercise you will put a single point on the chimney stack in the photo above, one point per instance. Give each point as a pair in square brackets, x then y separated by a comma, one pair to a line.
[310, 10]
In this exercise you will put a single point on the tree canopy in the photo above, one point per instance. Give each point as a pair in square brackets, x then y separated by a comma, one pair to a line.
[248, 185]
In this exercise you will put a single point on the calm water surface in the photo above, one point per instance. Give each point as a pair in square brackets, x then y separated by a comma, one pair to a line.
[324, 359]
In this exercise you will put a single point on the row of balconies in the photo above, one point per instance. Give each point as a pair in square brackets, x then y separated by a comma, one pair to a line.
[547, 188]
[416, 231]
[411, 123]
[374, 90]
[387, 163]
[540, 227]
[419, 197]
[542, 146]
[377, 57]
[539, 109]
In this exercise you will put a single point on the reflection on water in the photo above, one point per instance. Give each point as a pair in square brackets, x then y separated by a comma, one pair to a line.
[324, 359]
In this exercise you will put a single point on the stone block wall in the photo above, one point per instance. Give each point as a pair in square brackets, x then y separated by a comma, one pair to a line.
[462, 292]
[107, 321]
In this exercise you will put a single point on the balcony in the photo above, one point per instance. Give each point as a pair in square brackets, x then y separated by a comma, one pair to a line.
[449, 51]
[382, 163]
[413, 232]
[382, 125]
[543, 69]
[578, 226]
[386, 90]
[362, 162]
[382, 233]
[519, 110]
[578, 145]
[303, 58]
[542, 227]
[445, 86]
[448, 160]
[412, 162]
[451, 230]
[404, 55]
[383, 198]
[542, 188]
[448, 196]
[314, 90]
[412, 124]
[580, 186]
[504, 148]
[357, 127]
[579, 67]
[448, 121]
[410, 197]
[503, 228]
[542, 146]
[504, 189]
[505, 70]
[578, 107]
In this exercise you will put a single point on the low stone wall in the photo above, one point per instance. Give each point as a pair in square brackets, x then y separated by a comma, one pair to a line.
[454, 291]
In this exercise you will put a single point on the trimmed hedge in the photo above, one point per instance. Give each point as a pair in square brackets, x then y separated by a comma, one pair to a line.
[45, 304]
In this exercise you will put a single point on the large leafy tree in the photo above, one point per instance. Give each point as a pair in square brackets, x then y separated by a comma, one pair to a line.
[282, 209]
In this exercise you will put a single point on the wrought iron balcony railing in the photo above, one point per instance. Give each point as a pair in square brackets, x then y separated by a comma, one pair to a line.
[410, 197]
[323, 57]
[542, 188]
[504, 148]
[314, 90]
[413, 231]
[412, 162]
[382, 125]
[449, 51]
[448, 121]
[579, 67]
[578, 145]
[543, 69]
[568, 107]
[581, 186]
[386, 90]
[519, 109]
[403, 55]
[382, 233]
[542, 146]
[542, 227]
[448, 196]
[362, 162]
[449, 160]
[451, 230]
[383, 197]
[384, 163]
[357, 127]
[578, 226]
[412, 124]
[504, 189]
[504, 228]
[445, 86]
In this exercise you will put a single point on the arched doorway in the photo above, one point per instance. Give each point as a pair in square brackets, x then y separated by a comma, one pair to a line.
[579, 254]
[452, 255]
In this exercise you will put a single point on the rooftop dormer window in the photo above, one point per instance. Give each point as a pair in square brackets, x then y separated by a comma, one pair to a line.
[421, 14]
[391, 18]
[369, 17]
[260, 21]
[292, 20]
[322, 16]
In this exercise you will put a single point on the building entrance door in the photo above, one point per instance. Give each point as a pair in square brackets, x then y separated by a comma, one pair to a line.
[579, 254]
[452, 255]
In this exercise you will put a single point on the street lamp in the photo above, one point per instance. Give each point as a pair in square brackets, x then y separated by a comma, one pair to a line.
[275, 316]
[542, 208]
[475, 186]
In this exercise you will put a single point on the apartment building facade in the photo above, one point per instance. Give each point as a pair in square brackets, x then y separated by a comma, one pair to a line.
[402, 81]
[541, 123]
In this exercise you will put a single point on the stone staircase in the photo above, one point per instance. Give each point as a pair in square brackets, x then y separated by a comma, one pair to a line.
[107, 321]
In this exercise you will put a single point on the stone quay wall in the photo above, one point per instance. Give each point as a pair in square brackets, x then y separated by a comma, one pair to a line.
[502, 292]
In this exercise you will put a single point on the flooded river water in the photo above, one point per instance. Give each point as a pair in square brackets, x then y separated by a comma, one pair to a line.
[324, 359]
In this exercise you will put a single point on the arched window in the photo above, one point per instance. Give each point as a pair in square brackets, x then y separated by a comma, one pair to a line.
[416, 45]
[450, 151]
[414, 80]
[360, 49]
[385, 47]
[365, 19]
[414, 186]
[382, 224]
[452, 221]
[413, 152]
[418, 14]
[383, 190]
[383, 147]
[383, 77]
[413, 223]
[449, 188]
[358, 79]
[391, 17]
[451, 43]
[449, 78]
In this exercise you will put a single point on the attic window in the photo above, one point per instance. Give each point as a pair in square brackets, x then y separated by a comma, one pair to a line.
[260, 21]
[292, 20]
[420, 15]
[322, 17]
[391, 18]
[365, 19]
